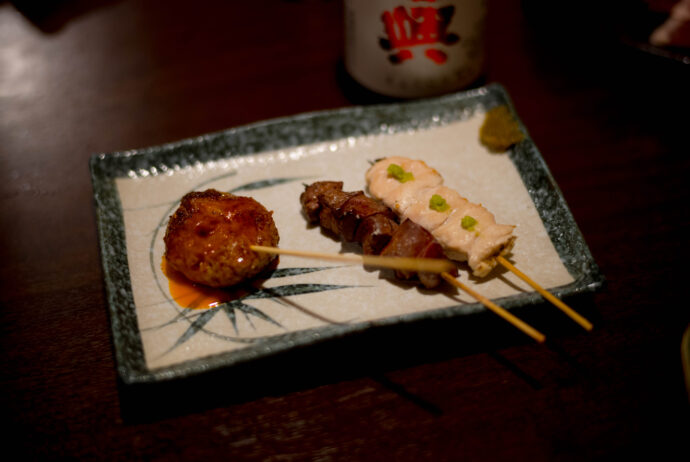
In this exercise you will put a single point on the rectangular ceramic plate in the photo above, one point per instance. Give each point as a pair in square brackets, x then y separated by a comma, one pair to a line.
[305, 301]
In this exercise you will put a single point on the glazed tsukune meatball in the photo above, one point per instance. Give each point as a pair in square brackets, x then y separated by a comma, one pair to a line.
[208, 238]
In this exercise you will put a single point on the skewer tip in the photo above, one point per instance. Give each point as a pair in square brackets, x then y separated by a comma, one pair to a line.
[584, 323]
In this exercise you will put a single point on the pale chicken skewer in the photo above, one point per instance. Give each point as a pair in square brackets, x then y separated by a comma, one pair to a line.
[467, 231]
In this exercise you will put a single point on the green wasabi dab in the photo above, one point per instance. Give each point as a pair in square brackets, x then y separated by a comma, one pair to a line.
[397, 172]
[438, 203]
[500, 130]
[468, 223]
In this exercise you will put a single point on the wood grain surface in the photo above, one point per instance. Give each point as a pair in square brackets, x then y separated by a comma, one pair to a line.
[611, 122]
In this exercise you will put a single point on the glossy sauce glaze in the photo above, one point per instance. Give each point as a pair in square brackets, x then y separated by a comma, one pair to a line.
[188, 294]
[191, 295]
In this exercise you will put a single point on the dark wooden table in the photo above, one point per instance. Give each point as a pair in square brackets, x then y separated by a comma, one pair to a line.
[611, 122]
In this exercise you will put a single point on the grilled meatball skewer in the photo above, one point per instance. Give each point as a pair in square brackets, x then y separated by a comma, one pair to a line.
[208, 238]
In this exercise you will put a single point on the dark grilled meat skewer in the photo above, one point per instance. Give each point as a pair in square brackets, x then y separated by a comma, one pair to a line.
[355, 217]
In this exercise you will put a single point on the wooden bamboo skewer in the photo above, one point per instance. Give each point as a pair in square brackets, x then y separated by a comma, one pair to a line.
[547, 295]
[502, 312]
[426, 265]
[414, 264]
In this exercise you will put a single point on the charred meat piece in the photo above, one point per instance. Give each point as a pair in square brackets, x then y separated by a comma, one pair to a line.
[310, 197]
[411, 240]
[374, 232]
[355, 209]
[330, 215]
[342, 212]
[208, 238]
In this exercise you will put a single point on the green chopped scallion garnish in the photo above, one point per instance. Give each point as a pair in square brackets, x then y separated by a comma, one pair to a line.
[438, 203]
[397, 172]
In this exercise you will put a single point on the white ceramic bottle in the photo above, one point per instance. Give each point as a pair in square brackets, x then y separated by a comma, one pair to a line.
[414, 48]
